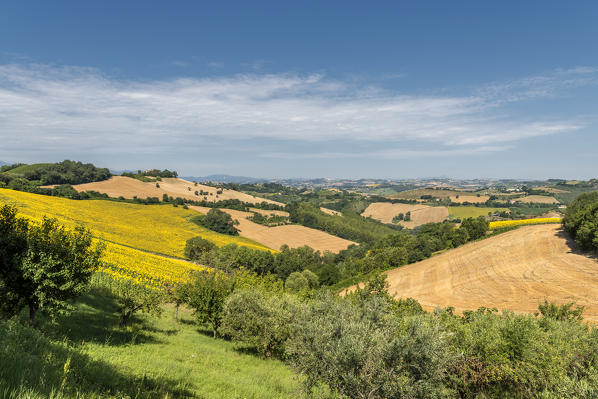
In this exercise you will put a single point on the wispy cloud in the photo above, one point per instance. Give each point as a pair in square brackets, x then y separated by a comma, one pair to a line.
[388, 154]
[49, 107]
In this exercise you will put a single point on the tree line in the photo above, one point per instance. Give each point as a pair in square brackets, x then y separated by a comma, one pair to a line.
[390, 251]
[581, 221]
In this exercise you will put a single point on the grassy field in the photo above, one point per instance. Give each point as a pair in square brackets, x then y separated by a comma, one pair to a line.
[462, 212]
[21, 170]
[156, 228]
[153, 358]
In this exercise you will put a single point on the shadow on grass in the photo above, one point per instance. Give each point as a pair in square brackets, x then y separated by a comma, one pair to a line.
[42, 366]
[96, 319]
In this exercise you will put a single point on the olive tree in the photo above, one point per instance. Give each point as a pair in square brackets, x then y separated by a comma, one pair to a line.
[44, 265]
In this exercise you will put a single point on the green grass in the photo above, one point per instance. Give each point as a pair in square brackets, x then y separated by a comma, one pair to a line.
[462, 212]
[21, 170]
[154, 358]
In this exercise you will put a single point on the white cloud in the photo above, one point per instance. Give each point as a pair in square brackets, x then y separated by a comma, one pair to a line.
[48, 107]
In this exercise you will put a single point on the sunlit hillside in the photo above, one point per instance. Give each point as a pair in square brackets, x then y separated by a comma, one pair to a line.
[161, 229]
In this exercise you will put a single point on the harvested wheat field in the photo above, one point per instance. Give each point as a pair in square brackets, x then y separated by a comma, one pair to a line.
[539, 199]
[267, 212]
[472, 199]
[420, 214]
[330, 211]
[436, 193]
[292, 235]
[129, 187]
[515, 270]
[551, 190]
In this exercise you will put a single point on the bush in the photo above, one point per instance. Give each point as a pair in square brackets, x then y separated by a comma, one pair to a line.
[581, 221]
[206, 294]
[476, 228]
[196, 246]
[357, 355]
[131, 297]
[260, 320]
[44, 265]
[218, 221]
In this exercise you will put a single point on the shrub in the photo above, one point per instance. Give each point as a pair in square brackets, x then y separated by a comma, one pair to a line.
[218, 221]
[131, 297]
[260, 320]
[581, 221]
[196, 246]
[206, 294]
[476, 228]
[44, 265]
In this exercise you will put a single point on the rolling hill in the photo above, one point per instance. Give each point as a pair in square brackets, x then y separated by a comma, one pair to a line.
[292, 235]
[420, 214]
[515, 270]
[155, 228]
[129, 187]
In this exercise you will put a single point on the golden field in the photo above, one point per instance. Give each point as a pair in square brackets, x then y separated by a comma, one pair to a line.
[293, 235]
[128, 232]
[420, 214]
[129, 187]
[144, 268]
[515, 270]
[155, 228]
[522, 222]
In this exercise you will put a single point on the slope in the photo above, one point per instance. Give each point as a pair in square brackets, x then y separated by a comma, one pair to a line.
[515, 270]
[292, 235]
[129, 187]
[156, 228]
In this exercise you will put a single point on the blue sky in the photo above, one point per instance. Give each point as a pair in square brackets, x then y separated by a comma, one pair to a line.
[304, 89]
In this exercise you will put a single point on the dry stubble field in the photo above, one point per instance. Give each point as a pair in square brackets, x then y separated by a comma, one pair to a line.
[539, 199]
[515, 270]
[420, 214]
[128, 187]
[292, 235]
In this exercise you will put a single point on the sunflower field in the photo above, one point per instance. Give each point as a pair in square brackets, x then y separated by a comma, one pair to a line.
[161, 229]
[522, 222]
[142, 242]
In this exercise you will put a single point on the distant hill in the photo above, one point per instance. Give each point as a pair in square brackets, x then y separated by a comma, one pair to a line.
[226, 179]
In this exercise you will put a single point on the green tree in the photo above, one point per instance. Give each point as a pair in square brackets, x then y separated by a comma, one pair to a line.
[207, 292]
[218, 221]
[476, 228]
[581, 220]
[55, 267]
[196, 247]
[261, 320]
[131, 297]
[13, 247]
[296, 282]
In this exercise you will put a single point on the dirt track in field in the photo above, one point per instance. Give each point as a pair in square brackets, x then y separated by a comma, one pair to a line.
[292, 235]
[129, 187]
[515, 270]
[420, 214]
